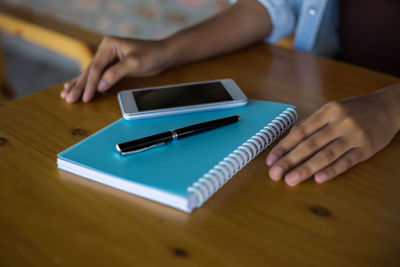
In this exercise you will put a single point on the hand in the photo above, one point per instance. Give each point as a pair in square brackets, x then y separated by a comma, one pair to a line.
[116, 58]
[337, 137]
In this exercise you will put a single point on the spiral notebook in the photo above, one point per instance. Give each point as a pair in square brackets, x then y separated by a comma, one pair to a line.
[184, 173]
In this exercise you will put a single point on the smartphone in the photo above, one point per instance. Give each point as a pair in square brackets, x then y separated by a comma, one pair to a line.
[180, 98]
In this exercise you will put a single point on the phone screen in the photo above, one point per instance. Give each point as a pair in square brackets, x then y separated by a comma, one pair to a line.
[179, 96]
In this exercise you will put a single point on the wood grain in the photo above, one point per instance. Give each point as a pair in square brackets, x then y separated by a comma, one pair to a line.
[50, 217]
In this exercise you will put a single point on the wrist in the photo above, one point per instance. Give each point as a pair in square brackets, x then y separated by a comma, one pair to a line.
[171, 50]
[392, 98]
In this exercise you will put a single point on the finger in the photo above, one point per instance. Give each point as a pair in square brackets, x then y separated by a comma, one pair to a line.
[67, 87]
[304, 150]
[103, 58]
[320, 160]
[341, 165]
[68, 84]
[301, 131]
[76, 91]
[297, 134]
[116, 72]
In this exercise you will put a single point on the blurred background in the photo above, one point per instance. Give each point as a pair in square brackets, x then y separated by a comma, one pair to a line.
[46, 42]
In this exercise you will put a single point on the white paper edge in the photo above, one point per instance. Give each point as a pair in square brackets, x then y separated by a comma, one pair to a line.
[127, 186]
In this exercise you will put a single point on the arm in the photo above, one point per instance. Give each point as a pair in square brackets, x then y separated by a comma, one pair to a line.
[242, 24]
[338, 136]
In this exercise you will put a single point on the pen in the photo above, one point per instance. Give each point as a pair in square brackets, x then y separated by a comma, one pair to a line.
[145, 143]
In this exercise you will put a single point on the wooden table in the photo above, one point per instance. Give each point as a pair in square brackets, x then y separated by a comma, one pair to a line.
[50, 217]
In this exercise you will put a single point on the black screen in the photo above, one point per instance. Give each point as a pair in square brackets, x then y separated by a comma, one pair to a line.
[181, 96]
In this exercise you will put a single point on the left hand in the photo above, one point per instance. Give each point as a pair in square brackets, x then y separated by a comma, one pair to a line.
[336, 137]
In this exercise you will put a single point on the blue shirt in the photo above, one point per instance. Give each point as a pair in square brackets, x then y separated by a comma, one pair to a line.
[313, 23]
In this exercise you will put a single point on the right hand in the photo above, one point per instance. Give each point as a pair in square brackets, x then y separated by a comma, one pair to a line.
[114, 59]
[338, 136]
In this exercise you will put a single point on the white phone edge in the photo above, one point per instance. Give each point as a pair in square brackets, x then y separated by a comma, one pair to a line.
[239, 99]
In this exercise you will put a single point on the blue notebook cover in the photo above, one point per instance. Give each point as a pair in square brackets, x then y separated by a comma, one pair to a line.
[183, 173]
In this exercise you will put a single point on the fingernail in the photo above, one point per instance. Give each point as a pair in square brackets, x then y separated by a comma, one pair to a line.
[66, 85]
[85, 99]
[292, 178]
[320, 177]
[271, 159]
[63, 94]
[102, 86]
[69, 99]
[276, 173]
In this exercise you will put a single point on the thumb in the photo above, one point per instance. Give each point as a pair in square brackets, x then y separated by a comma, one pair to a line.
[117, 72]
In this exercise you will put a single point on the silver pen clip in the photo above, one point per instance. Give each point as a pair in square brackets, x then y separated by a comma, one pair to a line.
[139, 150]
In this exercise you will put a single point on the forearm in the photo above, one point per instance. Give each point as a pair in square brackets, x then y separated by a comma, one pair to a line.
[242, 24]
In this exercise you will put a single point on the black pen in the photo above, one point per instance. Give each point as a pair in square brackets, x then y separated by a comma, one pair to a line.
[145, 143]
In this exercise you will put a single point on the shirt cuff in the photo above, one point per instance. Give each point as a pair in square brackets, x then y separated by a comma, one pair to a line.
[283, 19]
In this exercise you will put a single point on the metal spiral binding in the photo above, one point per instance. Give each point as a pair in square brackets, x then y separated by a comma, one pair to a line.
[207, 185]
